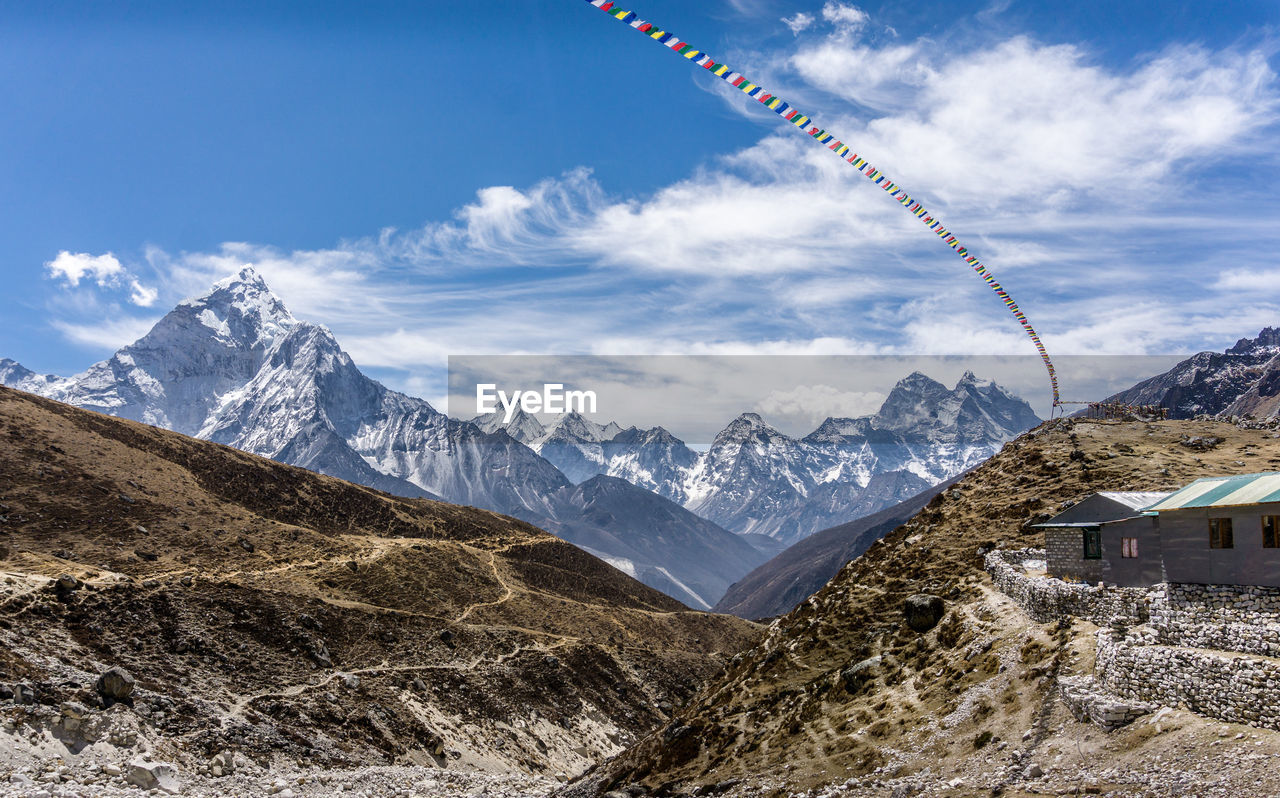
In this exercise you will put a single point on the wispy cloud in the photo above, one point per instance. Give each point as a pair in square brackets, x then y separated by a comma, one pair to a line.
[847, 19]
[798, 22]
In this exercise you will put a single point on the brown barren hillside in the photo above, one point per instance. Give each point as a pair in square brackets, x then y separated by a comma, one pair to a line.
[272, 611]
[843, 698]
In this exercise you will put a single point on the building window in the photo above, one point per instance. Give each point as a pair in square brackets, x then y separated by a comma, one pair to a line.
[1271, 531]
[1092, 543]
[1128, 547]
[1220, 536]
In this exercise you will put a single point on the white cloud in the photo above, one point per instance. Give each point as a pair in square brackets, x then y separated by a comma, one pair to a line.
[1019, 120]
[1248, 280]
[141, 295]
[104, 270]
[72, 267]
[798, 22]
[846, 19]
[816, 403]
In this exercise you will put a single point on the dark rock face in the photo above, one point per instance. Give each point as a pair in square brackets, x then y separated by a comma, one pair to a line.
[115, 685]
[1240, 381]
[793, 575]
[923, 611]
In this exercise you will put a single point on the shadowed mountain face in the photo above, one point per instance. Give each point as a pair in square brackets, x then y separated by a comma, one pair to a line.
[1244, 380]
[777, 586]
[640, 532]
[268, 609]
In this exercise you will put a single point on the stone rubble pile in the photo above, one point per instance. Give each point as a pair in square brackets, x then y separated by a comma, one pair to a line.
[1089, 702]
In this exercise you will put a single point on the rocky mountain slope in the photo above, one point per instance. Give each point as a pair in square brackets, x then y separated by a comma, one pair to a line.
[842, 697]
[269, 614]
[1243, 380]
[796, 573]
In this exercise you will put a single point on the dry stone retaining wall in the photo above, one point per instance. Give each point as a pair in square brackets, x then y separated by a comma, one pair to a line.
[1213, 649]
[1223, 617]
[1233, 687]
[1046, 599]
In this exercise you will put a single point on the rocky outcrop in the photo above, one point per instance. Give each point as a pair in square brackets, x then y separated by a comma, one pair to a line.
[923, 611]
[162, 776]
[115, 685]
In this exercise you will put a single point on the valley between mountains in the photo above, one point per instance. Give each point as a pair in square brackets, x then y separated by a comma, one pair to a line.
[234, 366]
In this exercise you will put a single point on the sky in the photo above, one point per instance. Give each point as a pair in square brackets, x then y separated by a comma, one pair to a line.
[447, 178]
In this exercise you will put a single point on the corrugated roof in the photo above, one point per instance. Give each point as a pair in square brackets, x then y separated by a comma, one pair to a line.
[1101, 508]
[1135, 499]
[1224, 492]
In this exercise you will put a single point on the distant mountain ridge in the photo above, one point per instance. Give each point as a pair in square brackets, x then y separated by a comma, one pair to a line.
[1243, 380]
[756, 480]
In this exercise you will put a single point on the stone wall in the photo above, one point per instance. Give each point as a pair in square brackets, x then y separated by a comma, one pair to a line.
[1064, 553]
[1224, 617]
[1232, 687]
[1207, 648]
[1047, 599]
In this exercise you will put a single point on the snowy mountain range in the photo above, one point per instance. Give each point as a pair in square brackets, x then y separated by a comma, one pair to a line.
[236, 367]
[1243, 380]
[756, 480]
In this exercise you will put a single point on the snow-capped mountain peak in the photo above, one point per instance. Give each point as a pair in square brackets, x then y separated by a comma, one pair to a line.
[1267, 342]
[577, 427]
[522, 426]
[241, 309]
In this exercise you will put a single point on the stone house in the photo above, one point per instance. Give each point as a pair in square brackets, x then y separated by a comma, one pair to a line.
[1106, 538]
[1222, 531]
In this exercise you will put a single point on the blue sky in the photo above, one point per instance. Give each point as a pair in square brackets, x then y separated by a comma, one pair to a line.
[438, 178]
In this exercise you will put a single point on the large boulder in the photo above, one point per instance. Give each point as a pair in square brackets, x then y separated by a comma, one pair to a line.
[115, 685]
[161, 776]
[923, 611]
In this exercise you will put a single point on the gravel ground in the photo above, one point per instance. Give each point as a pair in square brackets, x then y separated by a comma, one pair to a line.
[88, 782]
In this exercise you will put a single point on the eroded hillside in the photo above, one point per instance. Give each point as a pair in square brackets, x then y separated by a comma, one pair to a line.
[266, 610]
[844, 698]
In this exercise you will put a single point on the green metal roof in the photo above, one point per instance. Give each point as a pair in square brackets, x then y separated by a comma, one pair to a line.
[1223, 492]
